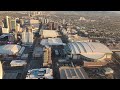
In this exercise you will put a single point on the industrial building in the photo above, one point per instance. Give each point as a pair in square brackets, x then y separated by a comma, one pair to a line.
[11, 50]
[88, 51]
[49, 34]
[72, 73]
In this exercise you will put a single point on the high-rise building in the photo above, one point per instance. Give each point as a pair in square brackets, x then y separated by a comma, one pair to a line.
[51, 26]
[17, 27]
[27, 37]
[7, 23]
[15, 34]
[46, 20]
[13, 24]
[0, 30]
[30, 37]
[56, 25]
[21, 22]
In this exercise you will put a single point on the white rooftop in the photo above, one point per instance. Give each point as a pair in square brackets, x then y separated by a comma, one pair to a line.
[18, 62]
[92, 50]
[49, 33]
[88, 47]
[52, 41]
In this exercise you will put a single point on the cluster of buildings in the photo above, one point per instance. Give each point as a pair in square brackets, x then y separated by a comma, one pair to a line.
[60, 48]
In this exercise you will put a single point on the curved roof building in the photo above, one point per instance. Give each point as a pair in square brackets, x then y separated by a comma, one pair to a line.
[91, 50]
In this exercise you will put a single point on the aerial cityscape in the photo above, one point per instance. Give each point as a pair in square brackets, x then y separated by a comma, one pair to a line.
[59, 44]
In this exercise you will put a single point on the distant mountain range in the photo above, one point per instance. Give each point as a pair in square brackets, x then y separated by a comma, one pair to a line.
[89, 13]
[86, 13]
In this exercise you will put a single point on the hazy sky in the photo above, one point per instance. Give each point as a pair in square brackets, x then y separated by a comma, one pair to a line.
[116, 11]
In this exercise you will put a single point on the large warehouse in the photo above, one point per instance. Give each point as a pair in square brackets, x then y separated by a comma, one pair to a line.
[91, 51]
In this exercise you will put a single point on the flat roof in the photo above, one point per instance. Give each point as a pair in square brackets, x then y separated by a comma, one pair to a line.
[18, 62]
[49, 33]
[52, 41]
[73, 73]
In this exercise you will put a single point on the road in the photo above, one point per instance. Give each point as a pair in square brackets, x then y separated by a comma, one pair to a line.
[30, 60]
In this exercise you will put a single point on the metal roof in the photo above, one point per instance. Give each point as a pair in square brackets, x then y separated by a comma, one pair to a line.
[52, 41]
[88, 47]
[73, 73]
[92, 50]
